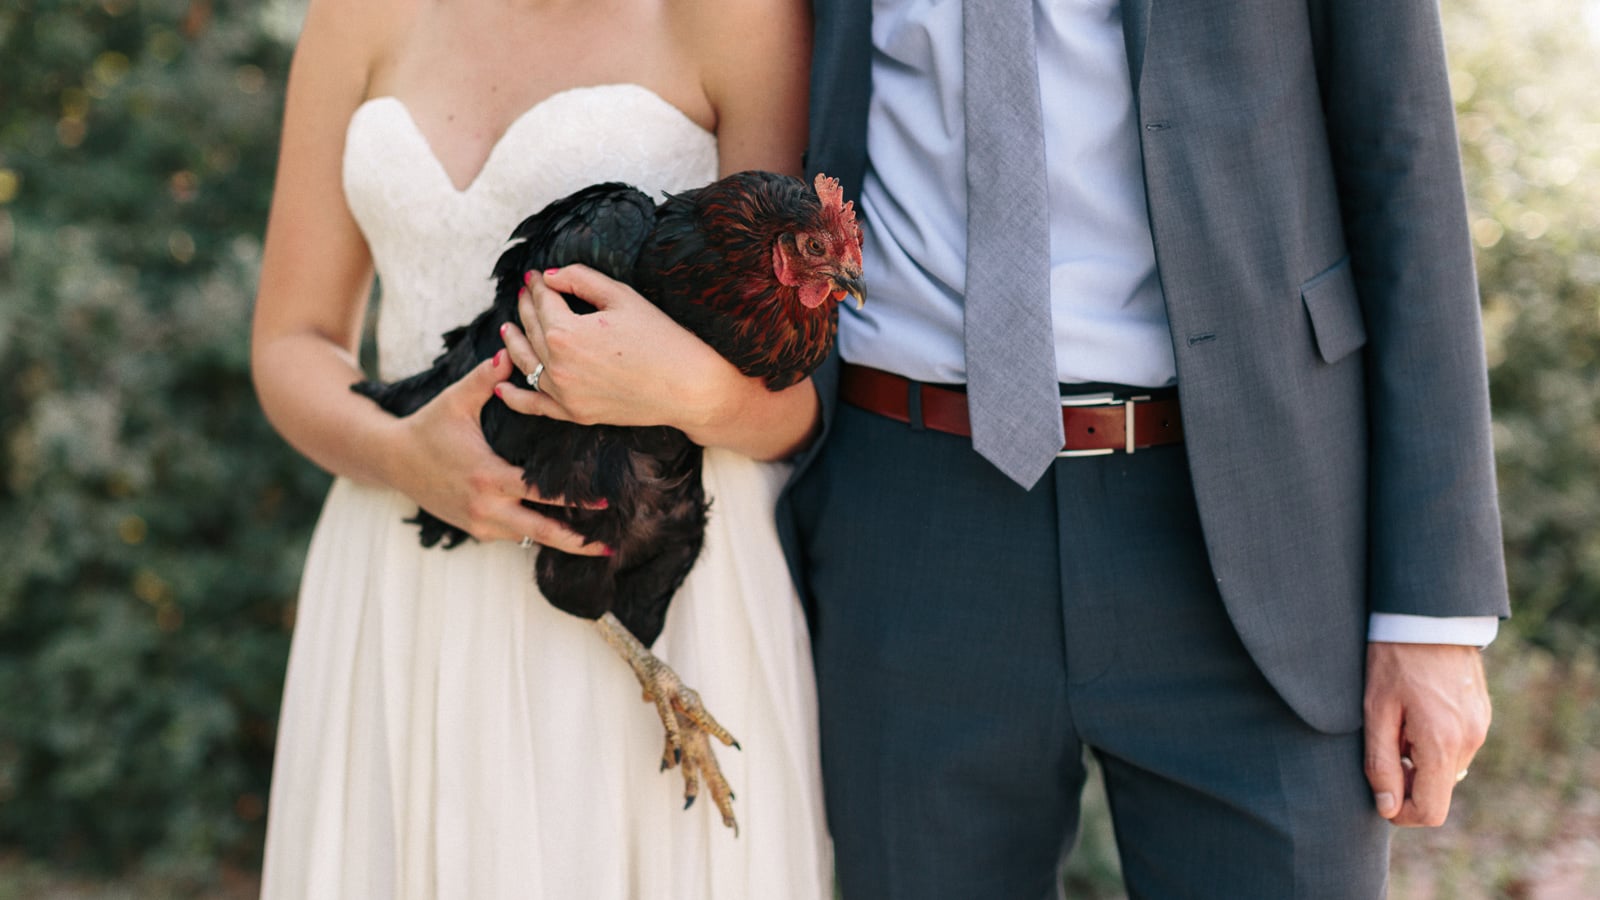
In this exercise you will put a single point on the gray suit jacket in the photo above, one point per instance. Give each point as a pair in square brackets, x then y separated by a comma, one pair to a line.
[1305, 197]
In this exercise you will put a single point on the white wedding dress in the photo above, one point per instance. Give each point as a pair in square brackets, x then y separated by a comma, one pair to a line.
[445, 732]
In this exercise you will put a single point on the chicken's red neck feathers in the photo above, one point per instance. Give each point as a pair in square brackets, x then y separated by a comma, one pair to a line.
[774, 253]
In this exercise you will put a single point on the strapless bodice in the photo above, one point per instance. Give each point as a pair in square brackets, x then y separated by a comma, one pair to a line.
[434, 245]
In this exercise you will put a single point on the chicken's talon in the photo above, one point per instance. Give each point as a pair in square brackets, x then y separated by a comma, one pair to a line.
[688, 724]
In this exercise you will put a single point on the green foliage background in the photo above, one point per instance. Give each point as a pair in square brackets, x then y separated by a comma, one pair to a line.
[153, 523]
[1524, 76]
[153, 526]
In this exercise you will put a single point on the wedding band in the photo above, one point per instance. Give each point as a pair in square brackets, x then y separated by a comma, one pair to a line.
[528, 542]
[1461, 776]
[533, 377]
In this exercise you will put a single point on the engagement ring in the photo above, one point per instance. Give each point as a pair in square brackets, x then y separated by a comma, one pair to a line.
[528, 542]
[533, 377]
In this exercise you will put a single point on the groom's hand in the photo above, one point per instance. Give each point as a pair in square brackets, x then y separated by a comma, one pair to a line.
[1428, 704]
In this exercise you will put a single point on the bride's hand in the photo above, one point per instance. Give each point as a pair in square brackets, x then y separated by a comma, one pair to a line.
[625, 364]
[443, 463]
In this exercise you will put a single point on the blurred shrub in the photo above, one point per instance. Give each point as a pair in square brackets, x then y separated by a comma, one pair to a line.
[153, 524]
[1524, 76]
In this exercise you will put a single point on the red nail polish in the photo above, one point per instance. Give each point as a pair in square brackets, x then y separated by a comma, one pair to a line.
[497, 357]
[611, 551]
[503, 327]
[497, 387]
[551, 271]
[527, 277]
[602, 503]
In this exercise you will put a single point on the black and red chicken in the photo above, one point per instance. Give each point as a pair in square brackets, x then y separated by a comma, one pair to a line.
[755, 264]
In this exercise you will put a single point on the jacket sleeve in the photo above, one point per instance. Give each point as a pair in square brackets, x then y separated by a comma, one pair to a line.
[826, 380]
[1435, 528]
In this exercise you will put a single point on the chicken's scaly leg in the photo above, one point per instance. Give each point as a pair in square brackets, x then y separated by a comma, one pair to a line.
[685, 718]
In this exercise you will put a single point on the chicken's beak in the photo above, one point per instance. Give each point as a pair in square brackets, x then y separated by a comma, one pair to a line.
[849, 286]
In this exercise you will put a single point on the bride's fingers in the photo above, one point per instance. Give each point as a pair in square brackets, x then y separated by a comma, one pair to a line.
[532, 495]
[521, 398]
[509, 480]
[518, 392]
[529, 402]
[522, 353]
[547, 532]
[591, 286]
[535, 302]
[514, 519]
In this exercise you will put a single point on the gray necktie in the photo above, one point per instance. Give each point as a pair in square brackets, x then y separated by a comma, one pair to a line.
[1012, 392]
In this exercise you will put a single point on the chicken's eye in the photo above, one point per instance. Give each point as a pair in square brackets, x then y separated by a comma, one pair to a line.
[814, 247]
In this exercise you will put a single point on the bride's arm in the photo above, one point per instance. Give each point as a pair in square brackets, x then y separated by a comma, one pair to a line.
[629, 364]
[315, 277]
[757, 79]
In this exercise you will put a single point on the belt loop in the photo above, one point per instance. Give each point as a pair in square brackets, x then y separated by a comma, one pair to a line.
[914, 405]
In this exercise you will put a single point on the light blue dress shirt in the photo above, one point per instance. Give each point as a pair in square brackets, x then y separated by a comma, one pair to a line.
[1109, 316]
[1107, 308]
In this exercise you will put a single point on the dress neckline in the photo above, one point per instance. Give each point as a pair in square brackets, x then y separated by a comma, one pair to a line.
[564, 95]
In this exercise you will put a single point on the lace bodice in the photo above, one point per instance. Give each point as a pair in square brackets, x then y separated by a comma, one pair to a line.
[434, 246]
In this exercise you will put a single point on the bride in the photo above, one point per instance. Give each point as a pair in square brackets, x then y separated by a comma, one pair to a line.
[445, 732]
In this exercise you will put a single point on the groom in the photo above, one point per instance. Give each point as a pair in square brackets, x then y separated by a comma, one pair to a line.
[1263, 620]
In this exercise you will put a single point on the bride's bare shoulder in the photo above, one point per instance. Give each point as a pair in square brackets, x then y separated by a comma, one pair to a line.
[352, 41]
[754, 57]
[733, 23]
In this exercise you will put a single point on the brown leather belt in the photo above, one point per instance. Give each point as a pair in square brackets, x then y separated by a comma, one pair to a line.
[1094, 423]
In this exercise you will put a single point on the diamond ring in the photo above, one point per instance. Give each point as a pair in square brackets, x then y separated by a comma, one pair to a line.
[534, 376]
[1461, 776]
[526, 542]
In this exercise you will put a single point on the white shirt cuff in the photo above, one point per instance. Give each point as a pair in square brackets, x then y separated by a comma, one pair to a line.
[1399, 628]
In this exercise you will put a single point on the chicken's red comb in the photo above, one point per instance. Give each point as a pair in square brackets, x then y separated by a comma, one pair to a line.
[829, 191]
[832, 197]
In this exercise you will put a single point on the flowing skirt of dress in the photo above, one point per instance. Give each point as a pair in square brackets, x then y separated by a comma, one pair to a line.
[446, 733]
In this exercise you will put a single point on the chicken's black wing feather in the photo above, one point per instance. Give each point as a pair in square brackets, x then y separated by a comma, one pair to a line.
[602, 226]
[650, 477]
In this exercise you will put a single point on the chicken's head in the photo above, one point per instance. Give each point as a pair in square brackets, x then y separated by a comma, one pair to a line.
[821, 259]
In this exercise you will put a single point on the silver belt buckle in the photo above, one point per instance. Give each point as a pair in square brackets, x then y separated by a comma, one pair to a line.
[1104, 399]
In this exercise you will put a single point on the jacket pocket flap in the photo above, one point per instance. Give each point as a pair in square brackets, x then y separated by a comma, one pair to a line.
[1336, 322]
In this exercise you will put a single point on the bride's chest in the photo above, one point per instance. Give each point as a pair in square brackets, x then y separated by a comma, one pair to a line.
[397, 187]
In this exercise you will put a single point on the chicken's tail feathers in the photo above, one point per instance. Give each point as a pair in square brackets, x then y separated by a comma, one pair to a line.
[465, 347]
[406, 396]
[602, 226]
[432, 529]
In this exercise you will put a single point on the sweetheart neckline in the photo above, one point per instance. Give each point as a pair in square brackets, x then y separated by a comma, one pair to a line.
[514, 124]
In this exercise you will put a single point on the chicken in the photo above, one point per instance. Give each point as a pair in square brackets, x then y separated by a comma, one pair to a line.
[755, 265]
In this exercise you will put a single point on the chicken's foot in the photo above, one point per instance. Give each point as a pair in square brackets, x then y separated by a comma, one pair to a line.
[687, 722]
